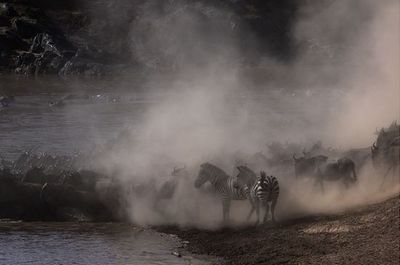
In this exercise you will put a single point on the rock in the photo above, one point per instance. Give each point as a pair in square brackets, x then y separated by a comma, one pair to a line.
[26, 27]
[84, 180]
[70, 214]
[57, 197]
[58, 103]
[25, 63]
[77, 66]
[48, 63]
[177, 254]
[6, 100]
[35, 175]
[44, 42]
[47, 55]
[21, 201]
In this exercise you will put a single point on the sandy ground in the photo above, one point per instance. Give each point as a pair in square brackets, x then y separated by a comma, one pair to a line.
[367, 235]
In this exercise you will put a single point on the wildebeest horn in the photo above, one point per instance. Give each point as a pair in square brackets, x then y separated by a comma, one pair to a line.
[294, 157]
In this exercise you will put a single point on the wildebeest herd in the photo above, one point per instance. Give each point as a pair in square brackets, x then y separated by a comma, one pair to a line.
[260, 189]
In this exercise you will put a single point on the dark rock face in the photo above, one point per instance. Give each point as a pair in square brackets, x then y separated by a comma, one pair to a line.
[44, 42]
[66, 197]
[25, 63]
[47, 55]
[68, 38]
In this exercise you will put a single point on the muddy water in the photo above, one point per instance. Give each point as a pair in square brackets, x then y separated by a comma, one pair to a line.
[86, 244]
[101, 109]
[96, 115]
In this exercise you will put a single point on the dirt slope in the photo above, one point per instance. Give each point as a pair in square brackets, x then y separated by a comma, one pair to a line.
[369, 235]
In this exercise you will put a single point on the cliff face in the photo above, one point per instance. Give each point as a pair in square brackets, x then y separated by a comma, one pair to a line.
[99, 37]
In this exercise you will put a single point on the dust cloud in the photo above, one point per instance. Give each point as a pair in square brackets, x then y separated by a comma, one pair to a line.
[342, 84]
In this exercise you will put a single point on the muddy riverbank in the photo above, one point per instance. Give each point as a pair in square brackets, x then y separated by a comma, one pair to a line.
[366, 235]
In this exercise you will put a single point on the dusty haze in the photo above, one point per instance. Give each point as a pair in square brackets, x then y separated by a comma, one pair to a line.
[347, 71]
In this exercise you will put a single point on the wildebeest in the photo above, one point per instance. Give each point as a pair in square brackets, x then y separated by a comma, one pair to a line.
[306, 166]
[321, 170]
[386, 151]
[343, 169]
[168, 189]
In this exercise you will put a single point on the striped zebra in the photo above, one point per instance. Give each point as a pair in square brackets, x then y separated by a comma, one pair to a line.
[260, 191]
[227, 187]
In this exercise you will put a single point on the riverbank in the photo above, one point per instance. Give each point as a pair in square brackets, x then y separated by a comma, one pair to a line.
[367, 235]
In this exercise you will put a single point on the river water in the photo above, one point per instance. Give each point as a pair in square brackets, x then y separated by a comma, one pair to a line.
[86, 244]
[102, 109]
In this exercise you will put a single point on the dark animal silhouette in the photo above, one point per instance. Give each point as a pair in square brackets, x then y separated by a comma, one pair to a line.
[306, 166]
[343, 169]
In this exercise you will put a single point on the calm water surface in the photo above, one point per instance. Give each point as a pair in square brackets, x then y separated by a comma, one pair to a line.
[107, 108]
[86, 244]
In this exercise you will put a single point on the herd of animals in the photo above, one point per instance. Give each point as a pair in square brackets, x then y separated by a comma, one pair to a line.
[261, 190]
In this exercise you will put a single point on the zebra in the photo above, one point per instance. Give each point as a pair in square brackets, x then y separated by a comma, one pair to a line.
[224, 185]
[260, 191]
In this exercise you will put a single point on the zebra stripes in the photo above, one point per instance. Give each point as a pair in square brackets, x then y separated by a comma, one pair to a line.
[259, 192]
[264, 191]
[225, 186]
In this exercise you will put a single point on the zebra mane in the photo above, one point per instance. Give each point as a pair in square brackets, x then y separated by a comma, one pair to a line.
[263, 176]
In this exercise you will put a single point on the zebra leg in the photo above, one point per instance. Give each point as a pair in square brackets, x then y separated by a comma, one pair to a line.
[273, 204]
[251, 211]
[257, 211]
[225, 209]
[266, 212]
[321, 185]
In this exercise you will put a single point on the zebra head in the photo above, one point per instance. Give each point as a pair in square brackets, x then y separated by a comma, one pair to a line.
[202, 177]
[246, 176]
